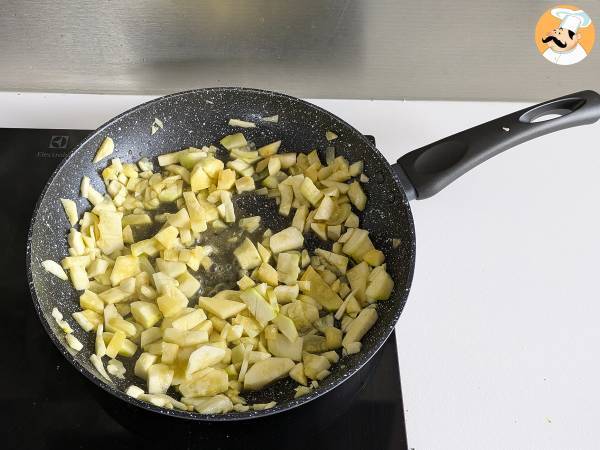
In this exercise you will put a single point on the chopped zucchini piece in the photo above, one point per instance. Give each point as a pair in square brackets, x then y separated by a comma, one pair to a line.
[288, 239]
[320, 291]
[267, 371]
[247, 255]
[107, 146]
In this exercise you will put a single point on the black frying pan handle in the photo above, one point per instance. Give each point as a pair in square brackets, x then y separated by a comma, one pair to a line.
[427, 170]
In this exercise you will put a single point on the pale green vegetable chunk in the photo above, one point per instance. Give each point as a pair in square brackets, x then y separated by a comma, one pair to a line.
[258, 306]
[221, 307]
[145, 313]
[286, 326]
[380, 284]
[106, 148]
[73, 342]
[210, 405]
[70, 210]
[97, 363]
[281, 346]
[320, 291]
[314, 365]
[247, 255]
[267, 371]
[287, 239]
[55, 269]
[205, 382]
[241, 123]
[310, 191]
[159, 378]
[359, 326]
[330, 135]
[233, 141]
[202, 358]
[297, 374]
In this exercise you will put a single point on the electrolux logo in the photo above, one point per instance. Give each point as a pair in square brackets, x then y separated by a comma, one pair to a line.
[55, 143]
[59, 142]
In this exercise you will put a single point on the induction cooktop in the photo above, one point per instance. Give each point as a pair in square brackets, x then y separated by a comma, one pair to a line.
[46, 404]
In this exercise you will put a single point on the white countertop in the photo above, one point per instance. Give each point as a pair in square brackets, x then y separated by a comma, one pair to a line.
[499, 340]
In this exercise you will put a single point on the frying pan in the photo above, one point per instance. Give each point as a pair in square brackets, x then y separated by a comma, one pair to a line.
[200, 117]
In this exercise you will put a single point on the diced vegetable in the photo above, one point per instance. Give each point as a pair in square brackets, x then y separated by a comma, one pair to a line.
[70, 210]
[143, 364]
[145, 313]
[185, 338]
[134, 391]
[241, 123]
[189, 321]
[267, 274]
[159, 378]
[196, 212]
[110, 228]
[267, 371]
[205, 382]
[221, 307]
[124, 267]
[297, 374]
[287, 239]
[106, 148]
[244, 184]
[340, 262]
[99, 344]
[97, 363]
[314, 365]
[310, 191]
[167, 236]
[250, 224]
[55, 269]
[234, 141]
[202, 358]
[330, 135]
[211, 405]
[188, 284]
[171, 302]
[116, 368]
[281, 346]
[258, 306]
[320, 291]
[380, 284]
[357, 276]
[286, 326]
[115, 344]
[273, 119]
[357, 196]
[247, 255]
[279, 321]
[359, 326]
[87, 319]
[73, 342]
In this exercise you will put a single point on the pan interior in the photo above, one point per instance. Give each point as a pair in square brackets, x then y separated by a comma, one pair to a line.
[198, 118]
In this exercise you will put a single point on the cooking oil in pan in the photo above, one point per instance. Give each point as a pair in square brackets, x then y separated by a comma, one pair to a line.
[225, 271]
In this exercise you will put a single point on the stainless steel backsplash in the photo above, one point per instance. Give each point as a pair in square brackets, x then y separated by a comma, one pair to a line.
[462, 49]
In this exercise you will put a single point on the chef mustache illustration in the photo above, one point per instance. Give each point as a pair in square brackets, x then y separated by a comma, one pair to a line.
[558, 42]
[563, 42]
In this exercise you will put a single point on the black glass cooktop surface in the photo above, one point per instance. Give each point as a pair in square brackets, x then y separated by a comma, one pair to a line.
[45, 403]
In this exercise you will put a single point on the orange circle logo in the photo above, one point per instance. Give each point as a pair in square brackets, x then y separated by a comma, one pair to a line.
[565, 35]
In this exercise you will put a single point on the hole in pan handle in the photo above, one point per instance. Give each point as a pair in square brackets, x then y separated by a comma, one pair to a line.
[427, 170]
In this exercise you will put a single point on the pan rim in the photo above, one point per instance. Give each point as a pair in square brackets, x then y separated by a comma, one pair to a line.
[232, 416]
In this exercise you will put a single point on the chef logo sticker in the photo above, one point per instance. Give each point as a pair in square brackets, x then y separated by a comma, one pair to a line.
[565, 35]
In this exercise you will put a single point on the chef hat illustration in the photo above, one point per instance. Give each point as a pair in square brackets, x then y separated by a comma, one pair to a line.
[571, 20]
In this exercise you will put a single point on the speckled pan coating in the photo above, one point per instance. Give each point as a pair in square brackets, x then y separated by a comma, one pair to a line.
[197, 118]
